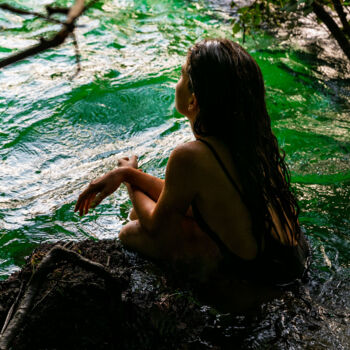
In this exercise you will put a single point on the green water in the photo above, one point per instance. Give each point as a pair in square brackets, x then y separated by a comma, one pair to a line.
[56, 134]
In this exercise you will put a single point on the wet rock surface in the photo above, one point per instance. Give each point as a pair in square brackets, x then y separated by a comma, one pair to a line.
[154, 309]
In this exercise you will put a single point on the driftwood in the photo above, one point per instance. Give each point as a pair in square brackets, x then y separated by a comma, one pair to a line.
[54, 257]
[67, 30]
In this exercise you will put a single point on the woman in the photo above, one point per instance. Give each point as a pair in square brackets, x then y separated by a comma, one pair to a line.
[225, 205]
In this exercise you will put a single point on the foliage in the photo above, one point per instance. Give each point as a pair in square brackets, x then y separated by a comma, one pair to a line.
[258, 14]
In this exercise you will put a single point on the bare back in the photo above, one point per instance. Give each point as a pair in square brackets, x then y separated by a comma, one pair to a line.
[220, 203]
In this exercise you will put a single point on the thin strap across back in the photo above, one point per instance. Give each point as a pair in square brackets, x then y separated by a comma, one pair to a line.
[205, 227]
[279, 264]
[202, 223]
[217, 157]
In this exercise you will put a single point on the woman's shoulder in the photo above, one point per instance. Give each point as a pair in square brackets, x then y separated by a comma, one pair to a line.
[187, 152]
[186, 160]
[203, 154]
[188, 147]
[183, 167]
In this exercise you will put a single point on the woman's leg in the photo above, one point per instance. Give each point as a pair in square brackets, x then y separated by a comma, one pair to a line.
[148, 184]
[134, 237]
[198, 257]
[190, 247]
[133, 215]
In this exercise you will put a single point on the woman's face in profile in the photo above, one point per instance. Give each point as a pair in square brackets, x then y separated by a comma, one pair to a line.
[182, 92]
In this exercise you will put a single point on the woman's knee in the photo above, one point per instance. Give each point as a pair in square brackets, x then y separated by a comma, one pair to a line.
[133, 236]
[126, 232]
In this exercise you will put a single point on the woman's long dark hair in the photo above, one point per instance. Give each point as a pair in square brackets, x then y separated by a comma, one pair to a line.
[229, 88]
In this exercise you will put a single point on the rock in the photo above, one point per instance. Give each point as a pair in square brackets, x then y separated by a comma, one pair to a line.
[76, 309]
[149, 307]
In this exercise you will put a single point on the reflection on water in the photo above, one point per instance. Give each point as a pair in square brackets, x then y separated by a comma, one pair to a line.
[56, 135]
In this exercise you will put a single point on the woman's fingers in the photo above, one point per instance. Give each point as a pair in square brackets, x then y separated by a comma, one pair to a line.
[84, 200]
[134, 161]
[80, 203]
[98, 199]
[91, 201]
[82, 208]
[97, 191]
[84, 195]
[88, 202]
[126, 161]
[85, 203]
[122, 161]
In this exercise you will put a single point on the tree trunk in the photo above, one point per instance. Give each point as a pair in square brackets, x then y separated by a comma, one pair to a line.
[324, 16]
[342, 16]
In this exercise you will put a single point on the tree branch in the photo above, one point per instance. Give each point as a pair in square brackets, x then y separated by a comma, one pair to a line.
[342, 15]
[68, 27]
[325, 17]
[12, 308]
[51, 10]
[31, 13]
[77, 55]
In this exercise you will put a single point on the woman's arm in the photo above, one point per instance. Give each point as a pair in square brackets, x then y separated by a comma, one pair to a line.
[175, 199]
[102, 187]
[154, 211]
[151, 185]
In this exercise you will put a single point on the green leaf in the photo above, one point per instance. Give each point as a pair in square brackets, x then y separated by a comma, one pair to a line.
[236, 28]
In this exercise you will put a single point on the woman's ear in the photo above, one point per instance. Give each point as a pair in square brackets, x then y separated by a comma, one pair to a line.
[193, 104]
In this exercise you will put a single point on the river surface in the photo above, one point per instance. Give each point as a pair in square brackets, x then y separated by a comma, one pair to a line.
[58, 133]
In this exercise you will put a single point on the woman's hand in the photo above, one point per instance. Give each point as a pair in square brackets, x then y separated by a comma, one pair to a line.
[98, 190]
[130, 162]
